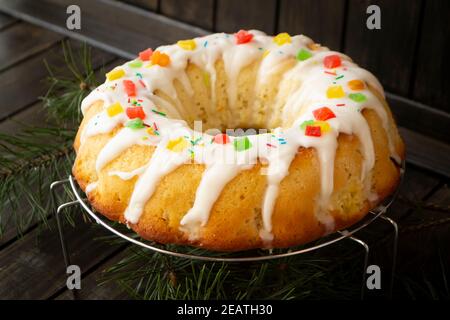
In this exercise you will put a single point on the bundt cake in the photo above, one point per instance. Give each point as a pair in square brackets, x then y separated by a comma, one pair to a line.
[237, 141]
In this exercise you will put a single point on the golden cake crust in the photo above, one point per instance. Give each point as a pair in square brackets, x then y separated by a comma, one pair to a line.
[236, 216]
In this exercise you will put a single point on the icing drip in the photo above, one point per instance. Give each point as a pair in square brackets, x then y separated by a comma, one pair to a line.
[313, 86]
[91, 187]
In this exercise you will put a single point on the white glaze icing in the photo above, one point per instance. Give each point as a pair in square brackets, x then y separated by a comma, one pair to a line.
[310, 82]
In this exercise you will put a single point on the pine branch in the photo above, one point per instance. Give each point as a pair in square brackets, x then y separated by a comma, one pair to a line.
[36, 156]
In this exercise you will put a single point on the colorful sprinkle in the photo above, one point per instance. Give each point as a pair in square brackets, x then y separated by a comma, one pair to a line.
[221, 138]
[243, 36]
[160, 58]
[313, 131]
[270, 145]
[357, 97]
[177, 145]
[139, 75]
[340, 77]
[135, 64]
[282, 38]
[323, 114]
[114, 109]
[142, 83]
[135, 112]
[130, 88]
[335, 92]
[265, 53]
[115, 74]
[159, 112]
[303, 55]
[356, 85]
[330, 73]
[135, 124]
[332, 61]
[340, 105]
[146, 54]
[242, 144]
[187, 44]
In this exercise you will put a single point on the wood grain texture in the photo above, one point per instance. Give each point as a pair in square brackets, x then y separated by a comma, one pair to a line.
[321, 20]
[420, 117]
[23, 40]
[23, 84]
[196, 12]
[416, 184]
[145, 4]
[31, 269]
[387, 52]
[233, 15]
[427, 153]
[92, 289]
[432, 82]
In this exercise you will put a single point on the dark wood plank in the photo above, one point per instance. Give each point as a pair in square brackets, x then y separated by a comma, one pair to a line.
[424, 248]
[432, 82]
[387, 52]
[92, 289]
[24, 40]
[196, 12]
[6, 21]
[121, 29]
[233, 15]
[321, 20]
[426, 152]
[144, 4]
[420, 117]
[31, 269]
[22, 85]
[417, 184]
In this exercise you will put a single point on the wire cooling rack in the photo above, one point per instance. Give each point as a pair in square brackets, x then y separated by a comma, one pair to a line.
[246, 256]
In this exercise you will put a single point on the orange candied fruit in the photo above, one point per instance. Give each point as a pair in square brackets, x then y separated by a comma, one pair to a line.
[160, 58]
[356, 85]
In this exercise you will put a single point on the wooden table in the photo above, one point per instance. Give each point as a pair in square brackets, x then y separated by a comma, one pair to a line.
[31, 265]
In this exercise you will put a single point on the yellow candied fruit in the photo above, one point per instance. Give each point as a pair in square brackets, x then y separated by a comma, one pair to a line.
[114, 109]
[177, 145]
[187, 44]
[282, 38]
[150, 131]
[324, 126]
[356, 85]
[115, 74]
[335, 92]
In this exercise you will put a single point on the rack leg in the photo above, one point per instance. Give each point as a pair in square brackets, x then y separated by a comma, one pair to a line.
[366, 262]
[57, 214]
[394, 252]
[61, 232]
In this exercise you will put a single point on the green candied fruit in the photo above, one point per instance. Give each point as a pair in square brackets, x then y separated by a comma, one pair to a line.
[306, 123]
[136, 123]
[357, 97]
[135, 64]
[242, 144]
[303, 55]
